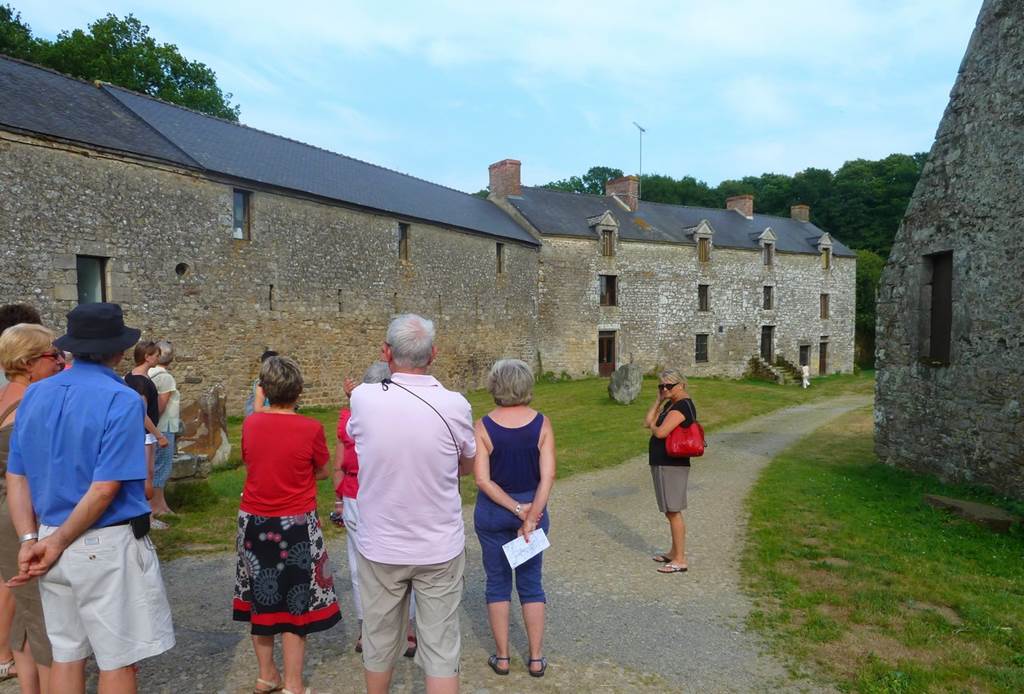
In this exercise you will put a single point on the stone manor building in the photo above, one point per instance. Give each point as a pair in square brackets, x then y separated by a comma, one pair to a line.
[229, 240]
[950, 347]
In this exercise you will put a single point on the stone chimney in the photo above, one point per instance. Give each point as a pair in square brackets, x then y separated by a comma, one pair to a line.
[505, 177]
[626, 189]
[801, 213]
[744, 204]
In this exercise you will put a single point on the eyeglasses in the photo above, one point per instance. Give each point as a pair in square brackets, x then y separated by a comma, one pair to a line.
[667, 386]
[56, 355]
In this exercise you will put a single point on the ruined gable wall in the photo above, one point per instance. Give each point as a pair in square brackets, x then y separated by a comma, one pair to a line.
[963, 421]
[335, 271]
[657, 315]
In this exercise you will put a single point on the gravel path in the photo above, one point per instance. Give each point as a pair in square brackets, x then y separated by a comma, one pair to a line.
[614, 624]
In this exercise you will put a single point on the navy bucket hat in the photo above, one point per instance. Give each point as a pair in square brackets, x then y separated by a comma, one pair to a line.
[97, 329]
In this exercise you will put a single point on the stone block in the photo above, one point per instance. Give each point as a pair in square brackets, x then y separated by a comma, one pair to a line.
[991, 517]
[65, 292]
[65, 261]
[625, 383]
[205, 432]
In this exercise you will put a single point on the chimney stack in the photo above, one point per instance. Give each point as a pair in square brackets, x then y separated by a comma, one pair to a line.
[801, 213]
[626, 189]
[744, 204]
[505, 178]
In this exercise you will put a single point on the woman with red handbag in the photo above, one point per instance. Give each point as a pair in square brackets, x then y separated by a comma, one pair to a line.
[672, 408]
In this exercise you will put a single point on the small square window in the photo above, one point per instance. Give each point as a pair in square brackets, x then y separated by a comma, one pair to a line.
[607, 243]
[609, 290]
[769, 298]
[92, 279]
[500, 257]
[403, 241]
[704, 250]
[700, 352]
[241, 227]
[824, 306]
[703, 297]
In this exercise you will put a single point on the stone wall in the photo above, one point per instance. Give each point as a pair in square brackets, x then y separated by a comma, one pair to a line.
[962, 420]
[657, 316]
[316, 281]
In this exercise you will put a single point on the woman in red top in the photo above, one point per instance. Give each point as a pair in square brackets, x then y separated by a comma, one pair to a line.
[283, 580]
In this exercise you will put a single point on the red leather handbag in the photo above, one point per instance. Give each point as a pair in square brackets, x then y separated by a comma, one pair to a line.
[686, 442]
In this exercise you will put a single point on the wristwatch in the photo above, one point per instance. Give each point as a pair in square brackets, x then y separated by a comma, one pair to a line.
[518, 509]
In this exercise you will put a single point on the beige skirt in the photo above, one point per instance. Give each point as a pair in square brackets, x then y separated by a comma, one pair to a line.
[29, 625]
[670, 486]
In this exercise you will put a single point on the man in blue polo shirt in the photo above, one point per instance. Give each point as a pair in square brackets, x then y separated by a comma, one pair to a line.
[77, 464]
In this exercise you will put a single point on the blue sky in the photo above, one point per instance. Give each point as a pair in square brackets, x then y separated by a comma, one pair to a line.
[725, 88]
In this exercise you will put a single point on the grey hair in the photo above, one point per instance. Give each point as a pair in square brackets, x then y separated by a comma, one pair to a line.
[166, 352]
[510, 382]
[411, 338]
[673, 375]
[377, 372]
[281, 380]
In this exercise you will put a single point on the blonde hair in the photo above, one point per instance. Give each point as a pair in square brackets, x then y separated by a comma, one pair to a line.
[22, 343]
[673, 375]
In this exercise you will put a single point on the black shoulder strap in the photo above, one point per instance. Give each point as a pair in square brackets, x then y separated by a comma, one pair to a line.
[388, 382]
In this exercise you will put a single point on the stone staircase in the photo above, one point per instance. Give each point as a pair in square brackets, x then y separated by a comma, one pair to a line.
[791, 370]
[761, 370]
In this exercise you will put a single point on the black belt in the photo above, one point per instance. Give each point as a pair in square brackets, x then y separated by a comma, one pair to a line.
[126, 521]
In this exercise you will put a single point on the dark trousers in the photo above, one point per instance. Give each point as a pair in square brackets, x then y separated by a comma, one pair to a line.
[496, 526]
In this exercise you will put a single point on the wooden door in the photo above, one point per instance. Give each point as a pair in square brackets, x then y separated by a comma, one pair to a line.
[767, 338]
[823, 358]
[606, 352]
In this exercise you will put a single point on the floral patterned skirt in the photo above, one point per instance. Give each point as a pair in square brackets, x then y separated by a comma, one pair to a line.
[283, 581]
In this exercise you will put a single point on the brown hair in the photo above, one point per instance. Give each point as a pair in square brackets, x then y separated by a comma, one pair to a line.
[145, 348]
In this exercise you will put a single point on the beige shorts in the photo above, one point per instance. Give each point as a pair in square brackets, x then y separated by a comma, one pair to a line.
[105, 595]
[386, 590]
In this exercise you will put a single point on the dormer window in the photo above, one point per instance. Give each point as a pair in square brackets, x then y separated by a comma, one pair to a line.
[607, 243]
[702, 234]
[704, 250]
[768, 254]
[826, 258]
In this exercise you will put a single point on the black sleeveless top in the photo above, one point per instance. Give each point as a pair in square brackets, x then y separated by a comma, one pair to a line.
[656, 454]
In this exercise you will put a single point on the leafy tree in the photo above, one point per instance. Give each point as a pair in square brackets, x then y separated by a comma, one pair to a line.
[122, 52]
[869, 272]
[591, 182]
[15, 36]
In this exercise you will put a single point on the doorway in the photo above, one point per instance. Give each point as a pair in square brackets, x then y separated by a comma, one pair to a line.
[605, 352]
[823, 357]
[767, 339]
[805, 355]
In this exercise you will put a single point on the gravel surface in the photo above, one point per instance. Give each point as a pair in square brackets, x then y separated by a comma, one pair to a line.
[614, 624]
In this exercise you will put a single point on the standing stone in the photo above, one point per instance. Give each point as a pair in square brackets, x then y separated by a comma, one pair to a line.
[206, 427]
[625, 383]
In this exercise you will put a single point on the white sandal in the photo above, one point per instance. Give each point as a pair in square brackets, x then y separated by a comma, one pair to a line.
[5, 671]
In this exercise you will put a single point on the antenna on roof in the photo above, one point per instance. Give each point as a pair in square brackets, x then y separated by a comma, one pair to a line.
[640, 179]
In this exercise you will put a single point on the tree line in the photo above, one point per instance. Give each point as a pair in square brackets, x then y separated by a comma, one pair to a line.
[861, 204]
[122, 52]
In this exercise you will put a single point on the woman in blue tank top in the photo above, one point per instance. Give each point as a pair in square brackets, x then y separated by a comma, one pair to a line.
[515, 470]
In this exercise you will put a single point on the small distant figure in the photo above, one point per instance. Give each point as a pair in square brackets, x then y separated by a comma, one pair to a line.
[805, 375]
[257, 400]
[169, 405]
[145, 355]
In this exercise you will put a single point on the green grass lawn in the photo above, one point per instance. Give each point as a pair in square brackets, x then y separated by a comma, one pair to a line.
[865, 585]
[591, 432]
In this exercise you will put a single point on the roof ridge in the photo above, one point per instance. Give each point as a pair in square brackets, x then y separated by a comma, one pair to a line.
[37, 66]
[282, 137]
[132, 114]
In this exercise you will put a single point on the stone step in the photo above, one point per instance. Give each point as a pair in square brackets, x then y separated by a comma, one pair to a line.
[991, 517]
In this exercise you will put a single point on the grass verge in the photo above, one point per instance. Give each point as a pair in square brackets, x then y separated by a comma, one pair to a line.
[859, 581]
[591, 432]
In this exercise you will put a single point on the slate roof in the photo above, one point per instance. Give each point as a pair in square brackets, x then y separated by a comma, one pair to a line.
[38, 100]
[567, 214]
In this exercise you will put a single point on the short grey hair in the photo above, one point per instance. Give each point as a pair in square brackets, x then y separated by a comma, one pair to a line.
[377, 372]
[673, 375]
[281, 380]
[510, 382]
[166, 352]
[411, 338]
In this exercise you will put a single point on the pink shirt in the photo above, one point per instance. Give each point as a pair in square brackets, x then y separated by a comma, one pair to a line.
[410, 510]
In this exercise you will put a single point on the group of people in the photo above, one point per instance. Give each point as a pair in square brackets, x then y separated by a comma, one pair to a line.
[82, 481]
[403, 443]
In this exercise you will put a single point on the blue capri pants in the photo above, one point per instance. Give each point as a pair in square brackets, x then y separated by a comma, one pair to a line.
[494, 527]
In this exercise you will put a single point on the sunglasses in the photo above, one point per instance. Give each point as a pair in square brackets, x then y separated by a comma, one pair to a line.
[56, 356]
[667, 386]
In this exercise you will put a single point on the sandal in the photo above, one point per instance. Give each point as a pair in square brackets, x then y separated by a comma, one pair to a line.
[410, 652]
[543, 666]
[493, 662]
[5, 670]
[671, 569]
[661, 558]
[269, 686]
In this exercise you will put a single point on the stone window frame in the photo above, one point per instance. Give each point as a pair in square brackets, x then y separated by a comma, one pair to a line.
[768, 297]
[766, 240]
[825, 250]
[697, 348]
[825, 305]
[704, 297]
[241, 231]
[930, 354]
[703, 237]
[404, 235]
[606, 228]
[104, 276]
[608, 289]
